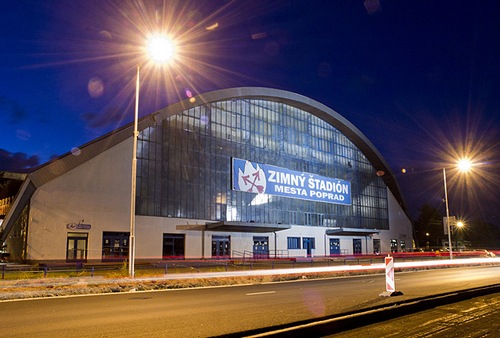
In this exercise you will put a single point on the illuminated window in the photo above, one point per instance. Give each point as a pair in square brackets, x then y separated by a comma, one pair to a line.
[293, 243]
[184, 166]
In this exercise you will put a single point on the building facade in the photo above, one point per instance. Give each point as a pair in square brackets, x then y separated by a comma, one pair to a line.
[236, 172]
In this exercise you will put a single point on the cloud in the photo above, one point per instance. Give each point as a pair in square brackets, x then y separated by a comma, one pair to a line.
[17, 161]
[109, 118]
[11, 109]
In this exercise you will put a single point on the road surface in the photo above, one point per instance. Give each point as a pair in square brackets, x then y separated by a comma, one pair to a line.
[477, 317]
[223, 310]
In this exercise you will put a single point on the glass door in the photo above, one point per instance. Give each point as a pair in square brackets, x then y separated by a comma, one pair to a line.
[356, 246]
[76, 247]
[221, 247]
[334, 246]
[260, 247]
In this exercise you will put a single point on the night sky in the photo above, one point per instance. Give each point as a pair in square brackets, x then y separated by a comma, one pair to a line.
[421, 79]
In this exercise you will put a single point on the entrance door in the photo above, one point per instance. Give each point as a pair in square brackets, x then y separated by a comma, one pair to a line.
[376, 246]
[173, 246]
[394, 245]
[356, 246]
[334, 246]
[221, 247]
[261, 247]
[308, 244]
[76, 247]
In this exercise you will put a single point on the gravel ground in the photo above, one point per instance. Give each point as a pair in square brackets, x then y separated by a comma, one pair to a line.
[55, 287]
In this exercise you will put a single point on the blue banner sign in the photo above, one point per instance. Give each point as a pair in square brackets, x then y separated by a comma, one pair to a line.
[267, 179]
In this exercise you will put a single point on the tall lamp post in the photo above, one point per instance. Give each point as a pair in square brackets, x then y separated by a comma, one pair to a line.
[447, 213]
[160, 50]
[459, 227]
[464, 165]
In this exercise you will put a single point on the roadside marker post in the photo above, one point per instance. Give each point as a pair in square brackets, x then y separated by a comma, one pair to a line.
[389, 274]
[390, 284]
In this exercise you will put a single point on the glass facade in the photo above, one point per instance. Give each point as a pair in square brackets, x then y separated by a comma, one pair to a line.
[184, 166]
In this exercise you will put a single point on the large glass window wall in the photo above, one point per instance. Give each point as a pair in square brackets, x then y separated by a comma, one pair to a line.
[184, 166]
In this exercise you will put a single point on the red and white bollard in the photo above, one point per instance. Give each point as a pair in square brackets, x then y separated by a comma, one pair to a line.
[390, 284]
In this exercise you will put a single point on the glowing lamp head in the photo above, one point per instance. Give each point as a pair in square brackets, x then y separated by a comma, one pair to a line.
[464, 165]
[160, 48]
[460, 224]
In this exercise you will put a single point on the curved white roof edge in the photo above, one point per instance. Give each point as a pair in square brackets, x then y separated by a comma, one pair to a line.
[305, 103]
[52, 169]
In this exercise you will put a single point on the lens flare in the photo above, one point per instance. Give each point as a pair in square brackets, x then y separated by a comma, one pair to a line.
[23, 135]
[204, 119]
[161, 48]
[95, 87]
[76, 151]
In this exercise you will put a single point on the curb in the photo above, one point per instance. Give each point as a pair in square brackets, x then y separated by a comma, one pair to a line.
[351, 320]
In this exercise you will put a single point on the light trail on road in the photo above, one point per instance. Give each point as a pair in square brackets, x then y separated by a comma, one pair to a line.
[340, 268]
[191, 312]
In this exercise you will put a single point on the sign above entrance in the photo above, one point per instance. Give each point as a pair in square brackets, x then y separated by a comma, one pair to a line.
[267, 179]
[78, 226]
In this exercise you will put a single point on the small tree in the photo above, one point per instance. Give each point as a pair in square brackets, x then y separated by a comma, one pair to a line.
[428, 228]
[481, 235]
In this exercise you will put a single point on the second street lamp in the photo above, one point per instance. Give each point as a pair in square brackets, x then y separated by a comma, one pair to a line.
[459, 228]
[447, 213]
[463, 165]
[160, 50]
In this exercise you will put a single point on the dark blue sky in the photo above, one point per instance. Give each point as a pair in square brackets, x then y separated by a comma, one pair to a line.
[421, 79]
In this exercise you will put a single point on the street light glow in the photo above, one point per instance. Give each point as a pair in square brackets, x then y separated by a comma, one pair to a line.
[464, 165]
[160, 48]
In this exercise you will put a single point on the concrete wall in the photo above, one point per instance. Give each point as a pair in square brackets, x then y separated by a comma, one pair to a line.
[97, 192]
[399, 224]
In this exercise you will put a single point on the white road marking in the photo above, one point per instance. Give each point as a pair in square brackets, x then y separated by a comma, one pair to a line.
[260, 293]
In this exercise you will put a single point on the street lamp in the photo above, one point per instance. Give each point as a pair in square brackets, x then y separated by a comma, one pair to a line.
[160, 50]
[463, 165]
[447, 212]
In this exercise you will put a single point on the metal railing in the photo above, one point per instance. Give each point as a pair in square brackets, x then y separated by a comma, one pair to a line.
[240, 260]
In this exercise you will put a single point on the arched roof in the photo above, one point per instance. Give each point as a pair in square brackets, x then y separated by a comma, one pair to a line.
[305, 103]
[68, 161]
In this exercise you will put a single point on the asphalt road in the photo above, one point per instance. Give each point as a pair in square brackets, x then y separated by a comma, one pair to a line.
[223, 310]
[477, 317]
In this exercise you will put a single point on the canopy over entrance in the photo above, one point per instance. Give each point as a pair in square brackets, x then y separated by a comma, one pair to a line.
[235, 227]
[351, 232]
